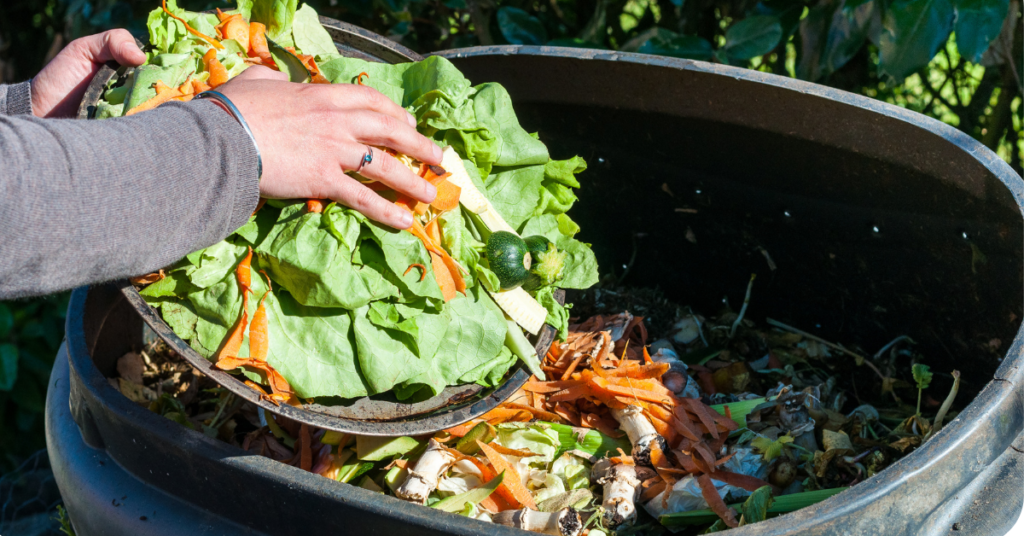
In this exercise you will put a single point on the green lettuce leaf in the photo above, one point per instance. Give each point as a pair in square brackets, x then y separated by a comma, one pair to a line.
[147, 75]
[316, 268]
[277, 16]
[309, 35]
[558, 315]
[515, 192]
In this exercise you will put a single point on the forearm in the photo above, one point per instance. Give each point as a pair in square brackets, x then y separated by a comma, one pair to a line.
[16, 99]
[89, 201]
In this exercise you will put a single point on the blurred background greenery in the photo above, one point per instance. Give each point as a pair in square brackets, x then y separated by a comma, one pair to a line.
[959, 61]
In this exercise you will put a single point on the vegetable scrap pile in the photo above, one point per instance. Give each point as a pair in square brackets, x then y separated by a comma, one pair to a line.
[311, 299]
[631, 432]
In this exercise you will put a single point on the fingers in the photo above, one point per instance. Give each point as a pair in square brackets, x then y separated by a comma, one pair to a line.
[117, 45]
[366, 98]
[385, 131]
[388, 170]
[348, 191]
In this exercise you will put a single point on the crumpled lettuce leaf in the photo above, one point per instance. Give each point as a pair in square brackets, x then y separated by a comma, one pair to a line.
[309, 35]
[277, 16]
[558, 314]
[147, 75]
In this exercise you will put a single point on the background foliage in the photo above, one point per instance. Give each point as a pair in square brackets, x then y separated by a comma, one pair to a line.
[959, 61]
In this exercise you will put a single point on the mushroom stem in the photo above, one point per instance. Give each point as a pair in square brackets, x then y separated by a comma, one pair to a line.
[423, 476]
[565, 522]
[621, 490]
[640, 431]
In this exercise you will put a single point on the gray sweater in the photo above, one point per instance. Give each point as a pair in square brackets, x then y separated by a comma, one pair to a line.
[84, 202]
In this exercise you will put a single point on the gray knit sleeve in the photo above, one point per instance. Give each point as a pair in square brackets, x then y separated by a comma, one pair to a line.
[16, 99]
[83, 202]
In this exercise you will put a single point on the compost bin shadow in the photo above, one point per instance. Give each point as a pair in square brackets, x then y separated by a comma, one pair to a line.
[864, 250]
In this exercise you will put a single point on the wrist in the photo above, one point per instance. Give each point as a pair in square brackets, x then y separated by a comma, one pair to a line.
[224, 103]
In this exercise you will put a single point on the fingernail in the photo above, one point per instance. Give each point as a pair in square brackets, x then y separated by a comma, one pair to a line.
[405, 220]
[431, 193]
[411, 119]
[437, 153]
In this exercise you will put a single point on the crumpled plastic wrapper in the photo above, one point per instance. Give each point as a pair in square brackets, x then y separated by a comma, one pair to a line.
[686, 494]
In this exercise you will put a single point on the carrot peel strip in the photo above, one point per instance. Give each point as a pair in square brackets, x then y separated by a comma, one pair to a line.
[512, 481]
[715, 501]
[213, 42]
[423, 270]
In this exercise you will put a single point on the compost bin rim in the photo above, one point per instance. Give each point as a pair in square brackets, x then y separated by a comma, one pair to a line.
[954, 439]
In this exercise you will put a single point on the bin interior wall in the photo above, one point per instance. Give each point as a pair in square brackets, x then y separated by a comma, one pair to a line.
[877, 229]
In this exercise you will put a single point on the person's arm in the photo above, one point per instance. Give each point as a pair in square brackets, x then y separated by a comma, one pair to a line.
[16, 99]
[90, 201]
[83, 202]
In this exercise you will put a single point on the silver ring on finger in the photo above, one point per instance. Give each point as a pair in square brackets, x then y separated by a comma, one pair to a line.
[366, 160]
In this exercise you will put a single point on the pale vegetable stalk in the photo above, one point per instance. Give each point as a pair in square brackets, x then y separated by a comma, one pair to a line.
[621, 490]
[424, 476]
[640, 431]
[516, 303]
[946, 404]
[521, 347]
[565, 522]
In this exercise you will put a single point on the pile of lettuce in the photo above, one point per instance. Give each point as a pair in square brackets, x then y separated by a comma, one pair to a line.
[345, 319]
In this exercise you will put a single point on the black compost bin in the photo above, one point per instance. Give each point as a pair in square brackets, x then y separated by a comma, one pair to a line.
[878, 221]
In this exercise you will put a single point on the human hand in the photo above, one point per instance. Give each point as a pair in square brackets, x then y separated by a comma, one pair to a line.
[58, 89]
[310, 134]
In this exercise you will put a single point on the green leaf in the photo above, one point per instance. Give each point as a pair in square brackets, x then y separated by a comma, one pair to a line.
[216, 262]
[558, 315]
[830, 35]
[316, 268]
[770, 449]
[310, 36]
[277, 16]
[753, 36]
[148, 75]
[678, 46]
[516, 192]
[457, 503]
[755, 508]
[313, 350]
[520, 28]
[978, 23]
[8, 366]
[912, 32]
[922, 375]
[288, 63]
[175, 284]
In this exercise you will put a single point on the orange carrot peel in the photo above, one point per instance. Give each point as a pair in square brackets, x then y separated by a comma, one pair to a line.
[213, 42]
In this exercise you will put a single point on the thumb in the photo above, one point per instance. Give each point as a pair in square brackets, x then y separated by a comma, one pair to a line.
[117, 45]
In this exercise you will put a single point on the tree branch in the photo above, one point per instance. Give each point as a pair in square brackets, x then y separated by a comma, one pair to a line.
[936, 94]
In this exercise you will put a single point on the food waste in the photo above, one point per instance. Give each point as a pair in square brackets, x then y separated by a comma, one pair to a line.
[310, 299]
[627, 434]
